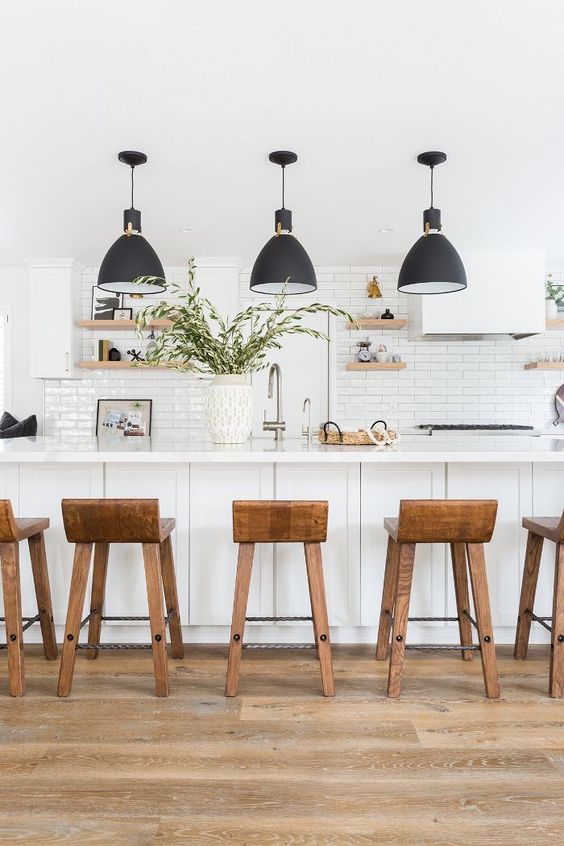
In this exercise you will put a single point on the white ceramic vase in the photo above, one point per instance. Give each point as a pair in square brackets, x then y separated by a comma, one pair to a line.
[551, 309]
[230, 409]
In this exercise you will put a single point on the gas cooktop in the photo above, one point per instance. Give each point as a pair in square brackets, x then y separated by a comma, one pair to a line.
[498, 428]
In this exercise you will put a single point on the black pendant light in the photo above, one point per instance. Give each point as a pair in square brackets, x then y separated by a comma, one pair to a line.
[131, 256]
[283, 264]
[432, 266]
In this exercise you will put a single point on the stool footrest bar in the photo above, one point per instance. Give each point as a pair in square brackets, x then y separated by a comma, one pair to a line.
[433, 619]
[278, 646]
[277, 619]
[115, 619]
[541, 620]
[113, 646]
[430, 647]
[472, 620]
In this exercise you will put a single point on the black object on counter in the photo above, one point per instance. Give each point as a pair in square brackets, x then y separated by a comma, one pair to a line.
[12, 428]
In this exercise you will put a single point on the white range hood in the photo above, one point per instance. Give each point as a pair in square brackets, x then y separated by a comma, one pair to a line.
[505, 296]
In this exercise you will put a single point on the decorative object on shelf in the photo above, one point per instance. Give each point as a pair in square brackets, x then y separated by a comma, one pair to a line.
[378, 434]
[199, 340]
[387, 315]
[373, 289]
[382, 354]
[131, 256]
[283, 264]
[135, 355]
[432, 266]
[123, 418]
[103, 305]
[114, 355]
[558, 406]
[122, 314]
[396, 358]
[11, 427]
[369, 314]
[554, 298]
[364, 353]
[151, 341]
[103, 349]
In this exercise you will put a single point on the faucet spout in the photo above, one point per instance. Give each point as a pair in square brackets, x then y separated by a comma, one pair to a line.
[277, 426]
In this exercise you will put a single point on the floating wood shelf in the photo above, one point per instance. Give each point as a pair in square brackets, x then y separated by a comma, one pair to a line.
[377, 323]
[545, 365]
[377, 365]
[555, 324]
[122, 324]
[119, 365]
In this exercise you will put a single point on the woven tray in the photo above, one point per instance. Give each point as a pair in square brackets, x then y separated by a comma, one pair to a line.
[377, 435]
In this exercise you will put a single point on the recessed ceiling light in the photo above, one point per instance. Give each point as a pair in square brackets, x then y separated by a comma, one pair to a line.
[385, 230]
[187, 229]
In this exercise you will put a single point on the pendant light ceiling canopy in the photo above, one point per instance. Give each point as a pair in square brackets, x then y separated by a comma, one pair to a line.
[432, 266]
[283, 264]
[131, 256]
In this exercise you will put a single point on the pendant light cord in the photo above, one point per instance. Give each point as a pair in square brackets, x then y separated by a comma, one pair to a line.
[132, 169]
[283, 187]
[432, 174]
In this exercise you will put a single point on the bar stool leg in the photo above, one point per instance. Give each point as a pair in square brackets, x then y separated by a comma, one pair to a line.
[77, 592]
[478, 578]
[319, 613]
[9, 558]
[101, 554]
[242, 583]
[556, 678]
[387, 606]
[406, 557]
[460, 575]
[171, 598]
[40, 572]
[151, 557]
[315, 632]
[528, 591]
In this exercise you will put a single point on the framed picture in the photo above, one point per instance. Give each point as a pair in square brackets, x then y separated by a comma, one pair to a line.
[123, 314]
[103, 304]
[125, 418]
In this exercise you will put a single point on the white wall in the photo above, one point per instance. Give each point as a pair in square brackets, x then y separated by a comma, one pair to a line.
[26, 393]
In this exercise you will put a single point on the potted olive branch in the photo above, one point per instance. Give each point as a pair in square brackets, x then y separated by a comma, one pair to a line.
[200, 340]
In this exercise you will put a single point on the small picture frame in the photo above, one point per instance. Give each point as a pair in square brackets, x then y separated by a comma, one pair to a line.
[104, 303]
[123, 418]
[122, 314]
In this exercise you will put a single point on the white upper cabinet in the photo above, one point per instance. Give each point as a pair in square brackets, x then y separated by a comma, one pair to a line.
[55, 309]
[505, 295]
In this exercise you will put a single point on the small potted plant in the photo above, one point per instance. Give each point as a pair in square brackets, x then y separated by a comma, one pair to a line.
[554, 298]
[199, 340]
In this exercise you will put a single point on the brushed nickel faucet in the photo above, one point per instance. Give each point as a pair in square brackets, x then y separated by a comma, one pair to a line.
[307, 430]
[277, 426]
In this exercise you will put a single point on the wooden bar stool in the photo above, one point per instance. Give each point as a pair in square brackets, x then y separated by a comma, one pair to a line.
[551, 528]
[100, 522]
[267, 521]
[466, 525]
[12, 531]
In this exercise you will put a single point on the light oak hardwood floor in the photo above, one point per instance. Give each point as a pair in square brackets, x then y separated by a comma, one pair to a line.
[280, 764]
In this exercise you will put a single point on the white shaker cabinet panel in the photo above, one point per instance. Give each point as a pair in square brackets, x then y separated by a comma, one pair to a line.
[126, 592]
[382, 488]
[55, 301]
[340, 485]
[548, 501]
[213, 555]
[304, 362]
[511, 485]
[42, 487]
[9, 488]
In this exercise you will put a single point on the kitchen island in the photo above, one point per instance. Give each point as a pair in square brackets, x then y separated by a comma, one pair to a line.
[197, 482]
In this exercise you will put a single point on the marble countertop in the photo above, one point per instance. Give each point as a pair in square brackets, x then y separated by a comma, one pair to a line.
[411, 449]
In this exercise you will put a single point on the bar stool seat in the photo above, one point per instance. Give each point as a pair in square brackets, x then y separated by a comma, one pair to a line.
[539, 530]
[98, 523]
[466, 525]
[12, 531]
[280, 521]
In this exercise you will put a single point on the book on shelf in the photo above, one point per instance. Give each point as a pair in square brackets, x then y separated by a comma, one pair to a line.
[103, 350]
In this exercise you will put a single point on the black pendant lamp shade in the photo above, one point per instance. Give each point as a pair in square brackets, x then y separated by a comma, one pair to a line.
[131, 256]
[283, 264]
[432, 266]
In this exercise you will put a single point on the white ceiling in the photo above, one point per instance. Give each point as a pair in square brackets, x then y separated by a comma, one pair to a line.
[208, 89]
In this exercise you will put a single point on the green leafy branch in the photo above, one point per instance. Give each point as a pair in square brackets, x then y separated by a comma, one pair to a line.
[199, 340]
